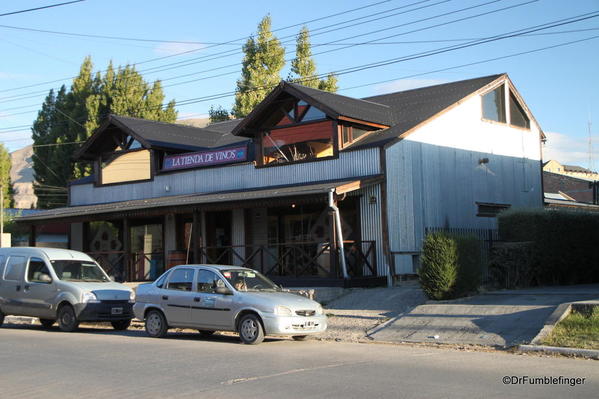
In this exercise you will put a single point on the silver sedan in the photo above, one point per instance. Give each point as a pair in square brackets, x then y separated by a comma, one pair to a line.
[225, 298]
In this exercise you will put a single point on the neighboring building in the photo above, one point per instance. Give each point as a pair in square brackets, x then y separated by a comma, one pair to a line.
[569, 192]
[21, 176]
[553, 166]
[266, 191]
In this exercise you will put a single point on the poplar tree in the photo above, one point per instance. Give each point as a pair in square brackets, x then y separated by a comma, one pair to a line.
[260, 73]
[73, 115]
[303, 66]
[218, 114]
[5, 165]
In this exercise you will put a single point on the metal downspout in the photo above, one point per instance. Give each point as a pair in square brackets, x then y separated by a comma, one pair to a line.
[339, 234]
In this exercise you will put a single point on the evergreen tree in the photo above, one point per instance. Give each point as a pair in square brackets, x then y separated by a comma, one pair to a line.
[303, 67]
[5, 165]
[264, 58]
[72, 116]
[218, 114]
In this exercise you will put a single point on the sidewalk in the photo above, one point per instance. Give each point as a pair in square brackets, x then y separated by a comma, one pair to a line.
[500, 318]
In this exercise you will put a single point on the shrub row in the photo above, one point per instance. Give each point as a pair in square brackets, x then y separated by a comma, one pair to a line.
[450, 265]
[560, 248]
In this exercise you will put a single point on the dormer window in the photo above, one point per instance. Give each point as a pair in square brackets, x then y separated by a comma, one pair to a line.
[351, 133]
[497, 107]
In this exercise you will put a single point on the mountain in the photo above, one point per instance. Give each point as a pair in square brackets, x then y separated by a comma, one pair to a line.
[21, 175]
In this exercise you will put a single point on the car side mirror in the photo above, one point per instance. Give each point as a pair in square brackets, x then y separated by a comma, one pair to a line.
[45, 278]
[223, 291]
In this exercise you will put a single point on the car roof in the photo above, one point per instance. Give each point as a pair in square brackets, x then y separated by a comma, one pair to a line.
[49, 253]
[215, 267]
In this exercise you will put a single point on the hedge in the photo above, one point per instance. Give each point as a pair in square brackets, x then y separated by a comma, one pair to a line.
[561, 247]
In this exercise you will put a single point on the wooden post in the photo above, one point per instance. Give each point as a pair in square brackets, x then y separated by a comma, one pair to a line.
[195, 235]
[333, 262]
[127, 274]
[32, 235]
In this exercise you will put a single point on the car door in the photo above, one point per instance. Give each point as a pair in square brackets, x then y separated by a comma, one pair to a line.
[39, 290]
[211, 310]
[178, 296]
[12, 284]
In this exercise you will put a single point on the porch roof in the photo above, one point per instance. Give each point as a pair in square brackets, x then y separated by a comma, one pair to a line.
[193, 200]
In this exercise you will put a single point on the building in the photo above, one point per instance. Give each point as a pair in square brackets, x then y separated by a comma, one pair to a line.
[310, 188]
[552, 166]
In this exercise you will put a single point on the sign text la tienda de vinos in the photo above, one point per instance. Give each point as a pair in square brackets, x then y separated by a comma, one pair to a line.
[205, 158]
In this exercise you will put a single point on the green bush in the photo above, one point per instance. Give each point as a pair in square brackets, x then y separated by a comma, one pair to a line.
[439, 269]
[562, 245]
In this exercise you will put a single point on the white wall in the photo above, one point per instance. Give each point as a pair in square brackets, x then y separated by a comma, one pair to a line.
[435, 178]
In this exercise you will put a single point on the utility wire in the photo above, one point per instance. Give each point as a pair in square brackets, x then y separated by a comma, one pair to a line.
[41, 8]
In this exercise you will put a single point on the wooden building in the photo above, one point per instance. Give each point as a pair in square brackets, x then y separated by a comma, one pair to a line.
[311, 188]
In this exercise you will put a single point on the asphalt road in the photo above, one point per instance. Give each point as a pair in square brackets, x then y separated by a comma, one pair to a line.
[103, 363]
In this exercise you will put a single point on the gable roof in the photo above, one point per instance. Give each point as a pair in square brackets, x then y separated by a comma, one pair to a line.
[412, 107]
[154, 134]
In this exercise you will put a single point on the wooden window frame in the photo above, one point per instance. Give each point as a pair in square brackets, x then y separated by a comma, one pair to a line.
[507, 92]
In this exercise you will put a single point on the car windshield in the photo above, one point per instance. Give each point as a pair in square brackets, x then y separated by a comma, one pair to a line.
[249, 280]
[77, 270]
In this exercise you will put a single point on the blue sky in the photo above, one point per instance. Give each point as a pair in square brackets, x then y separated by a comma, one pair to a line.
[560, 85]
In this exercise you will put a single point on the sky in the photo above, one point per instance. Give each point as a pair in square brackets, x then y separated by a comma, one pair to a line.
[551, 52]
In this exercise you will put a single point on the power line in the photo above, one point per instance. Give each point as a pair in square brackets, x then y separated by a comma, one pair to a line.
[215, 45]
[41, 8]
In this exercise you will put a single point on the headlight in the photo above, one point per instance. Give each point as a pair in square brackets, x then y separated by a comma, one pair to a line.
[319, 309]
[90, 297]
[132, 297]
[282, 311]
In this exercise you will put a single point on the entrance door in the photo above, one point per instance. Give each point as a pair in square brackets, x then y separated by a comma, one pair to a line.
[218, 237]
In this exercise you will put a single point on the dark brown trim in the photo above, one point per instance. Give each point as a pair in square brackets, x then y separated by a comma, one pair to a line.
[361, 122]
[273, 165]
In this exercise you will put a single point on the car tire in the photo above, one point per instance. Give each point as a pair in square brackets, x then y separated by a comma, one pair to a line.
[156, 326]
[67, 321]
[47, 323]
[120, 325]
[250, 330]
[206, 333]
[299, 337]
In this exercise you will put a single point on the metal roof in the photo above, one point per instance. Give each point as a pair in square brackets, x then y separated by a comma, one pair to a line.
[319, 188]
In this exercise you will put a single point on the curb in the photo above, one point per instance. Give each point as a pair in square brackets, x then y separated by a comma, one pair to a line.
[584, 353]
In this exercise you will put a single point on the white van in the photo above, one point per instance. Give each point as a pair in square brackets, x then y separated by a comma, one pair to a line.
[61, 285]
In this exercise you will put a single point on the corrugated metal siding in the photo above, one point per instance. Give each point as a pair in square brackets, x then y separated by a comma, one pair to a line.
[435, 186]
[234, 177]
[371, 222]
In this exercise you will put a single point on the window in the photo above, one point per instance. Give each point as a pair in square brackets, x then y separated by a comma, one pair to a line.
[490, 210]
[351, 133]
[36, 270]
[161, 280]
[181, 280]
[495, 108]
[494, 105]
[15, 268]
[76, 270]
[208, 281]
[298, 143]
[297, 112]
[517, 115]
[1, 265]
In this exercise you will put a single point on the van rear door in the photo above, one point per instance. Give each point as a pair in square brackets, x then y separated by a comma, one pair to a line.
[12, 285]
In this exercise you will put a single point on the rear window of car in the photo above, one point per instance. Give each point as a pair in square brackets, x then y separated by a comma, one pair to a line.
[1, 265]
[15, 268]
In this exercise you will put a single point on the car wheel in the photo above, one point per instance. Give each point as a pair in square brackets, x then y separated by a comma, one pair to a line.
[47, 323]
[120, 325]
[206, 333]
[250, 330]
[156, 326]
[299, 337]
[67, 321]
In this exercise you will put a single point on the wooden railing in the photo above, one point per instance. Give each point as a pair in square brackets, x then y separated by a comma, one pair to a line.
[295, 259]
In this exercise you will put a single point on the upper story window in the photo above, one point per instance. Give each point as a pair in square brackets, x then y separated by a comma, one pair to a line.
[352, 133]
[302, 133]
[495, 108]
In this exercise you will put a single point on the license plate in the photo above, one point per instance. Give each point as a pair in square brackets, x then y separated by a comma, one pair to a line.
[116, 311]
[309, 324]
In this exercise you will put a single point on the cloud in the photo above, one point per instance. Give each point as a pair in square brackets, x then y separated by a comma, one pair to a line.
[406, 84]
[571, 150]
[176, 48]
[8, 75]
